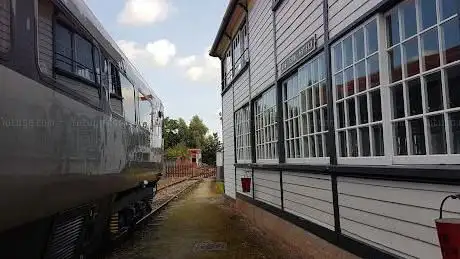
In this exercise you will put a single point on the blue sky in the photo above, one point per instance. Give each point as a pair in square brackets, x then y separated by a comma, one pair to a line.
[168, 41]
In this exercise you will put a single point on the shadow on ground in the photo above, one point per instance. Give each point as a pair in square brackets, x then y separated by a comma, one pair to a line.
[202, 224]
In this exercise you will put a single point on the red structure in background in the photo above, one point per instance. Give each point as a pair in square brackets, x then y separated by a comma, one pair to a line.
[195, 157]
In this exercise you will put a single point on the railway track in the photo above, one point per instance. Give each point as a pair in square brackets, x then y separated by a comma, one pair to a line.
[164, 195]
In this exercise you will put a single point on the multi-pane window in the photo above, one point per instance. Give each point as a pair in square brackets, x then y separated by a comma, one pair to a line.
[5, 25]
[423, 48]
[240, 47]
[265, 126]
[305, 111]
[242, 135]
[74, 54]
[228, 67]
[237, 55]
[357, 93]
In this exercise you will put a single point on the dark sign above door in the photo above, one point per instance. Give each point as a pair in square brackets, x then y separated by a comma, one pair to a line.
[299, 54]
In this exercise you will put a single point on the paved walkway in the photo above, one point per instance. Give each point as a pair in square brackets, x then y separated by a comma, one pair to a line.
[200, 225]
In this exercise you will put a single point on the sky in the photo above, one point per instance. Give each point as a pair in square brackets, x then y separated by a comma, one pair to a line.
[168, 41]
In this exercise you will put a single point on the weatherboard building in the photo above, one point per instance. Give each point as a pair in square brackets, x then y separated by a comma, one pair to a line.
[345, 114]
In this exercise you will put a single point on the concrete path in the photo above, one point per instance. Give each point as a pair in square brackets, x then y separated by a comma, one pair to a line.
[199, 225]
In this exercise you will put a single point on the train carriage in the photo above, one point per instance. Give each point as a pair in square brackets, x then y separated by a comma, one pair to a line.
[80, 132]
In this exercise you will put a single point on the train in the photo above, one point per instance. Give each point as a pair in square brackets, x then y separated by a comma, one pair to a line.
[81, 145]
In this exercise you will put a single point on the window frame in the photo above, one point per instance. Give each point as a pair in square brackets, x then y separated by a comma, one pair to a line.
[73, 75]
[242, 44]
[387, 109]
[300, 91]
[260, 127]
[441, 69]
[386, 159]
[242, 131]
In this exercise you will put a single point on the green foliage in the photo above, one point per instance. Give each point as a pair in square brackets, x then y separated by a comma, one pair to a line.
[177, 151]
[211, 146]
[179, 137]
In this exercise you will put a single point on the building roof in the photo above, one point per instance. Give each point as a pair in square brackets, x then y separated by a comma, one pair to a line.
[232, 4]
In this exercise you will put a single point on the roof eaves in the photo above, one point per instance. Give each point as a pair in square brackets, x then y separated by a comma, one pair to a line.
[223, 25]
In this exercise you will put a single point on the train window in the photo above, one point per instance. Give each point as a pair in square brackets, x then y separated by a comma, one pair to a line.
[84, 58]
[63, 41]
[97, 64]
[145, 111]
[74, 54]
[5, 25]
[115, 87]
[105, 78]
[129, 106]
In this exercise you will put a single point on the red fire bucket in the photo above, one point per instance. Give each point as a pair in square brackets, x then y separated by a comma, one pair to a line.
[449, 233]
[246, 184]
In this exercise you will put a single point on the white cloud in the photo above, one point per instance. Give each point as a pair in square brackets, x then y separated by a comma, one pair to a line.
[144, 12]
[195, 73]
[163, 51]
[203, 69]
[159, 52]
[187, 61]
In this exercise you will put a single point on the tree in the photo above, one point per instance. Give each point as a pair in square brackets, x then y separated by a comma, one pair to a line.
[170, 133]
[179, 150]
[197, 131]
[211, 146]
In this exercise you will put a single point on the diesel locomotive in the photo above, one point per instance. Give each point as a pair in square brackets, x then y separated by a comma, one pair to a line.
[80, 133]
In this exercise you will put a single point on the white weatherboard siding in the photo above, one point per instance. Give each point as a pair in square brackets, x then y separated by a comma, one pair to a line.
[394, 216]
[296, 22]
[343, 13]
[261, 47]
[309, 196]
[45, 37]
[267, 187]
[228, 142]
[241, 88]
[240, 173]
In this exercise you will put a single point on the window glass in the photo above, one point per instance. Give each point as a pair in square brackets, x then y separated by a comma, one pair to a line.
[455, 131]
[129, 105]
[428, 13]
[242, 134]
[372, 44]
[449, 8]
[395, 64]
[105, 76]
[453, 85]
[392, 21]
[84, 58]
[115, 81]
[434, 92]
[451, 40]
[265, 126]
[97, 65]
[409, 18]
[411, 60]
[145, 111]
[430, 49]
[63, 42]
[438, 134]
[359, 44]
[418, 137]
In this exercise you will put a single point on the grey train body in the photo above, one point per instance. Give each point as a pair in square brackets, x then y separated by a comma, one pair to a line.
[68, 153]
